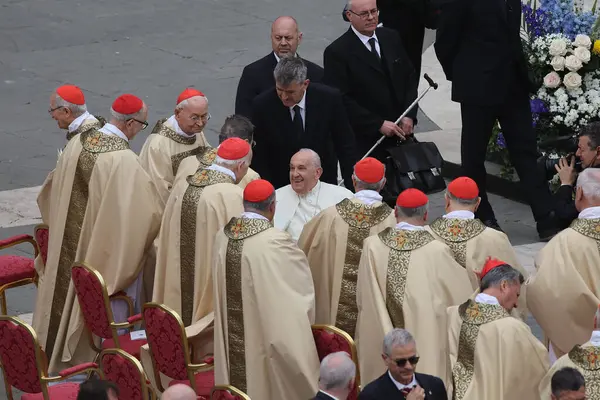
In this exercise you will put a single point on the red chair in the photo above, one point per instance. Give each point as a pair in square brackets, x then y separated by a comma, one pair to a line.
[330, 339]
[227, 393]
[97, 312]
[25, 365]
[19, 270]
[170, 351]
[127, 373]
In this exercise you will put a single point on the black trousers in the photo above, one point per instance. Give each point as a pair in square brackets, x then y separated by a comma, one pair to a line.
[514, 115]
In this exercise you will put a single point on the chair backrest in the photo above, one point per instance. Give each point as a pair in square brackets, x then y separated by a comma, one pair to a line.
[329, 339]
[20, 355]
[93, 300]
[227, 393]
[126, 372]
[41, 234]
[167, 340]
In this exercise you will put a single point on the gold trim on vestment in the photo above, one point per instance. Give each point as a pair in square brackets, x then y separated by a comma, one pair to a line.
[587, 359]
[395, 285]
[207, 157]
[405, 240]
[455, 232]
[94, 143]
[360, 218]
[473, 315]
[161, 129]
[176, 159]
[589, 228]
[237, 230]
[187, 242]
[87, 126]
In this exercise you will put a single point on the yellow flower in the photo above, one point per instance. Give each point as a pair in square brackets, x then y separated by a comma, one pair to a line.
[596, 49]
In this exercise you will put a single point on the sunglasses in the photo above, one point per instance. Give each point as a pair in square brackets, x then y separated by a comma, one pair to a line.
[401, 362]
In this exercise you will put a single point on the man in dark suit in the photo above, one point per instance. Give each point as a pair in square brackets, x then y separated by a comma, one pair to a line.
[300, 114]
[371, 69]
[258, 76]
[336, 377]
[479, 47]
[401, 381]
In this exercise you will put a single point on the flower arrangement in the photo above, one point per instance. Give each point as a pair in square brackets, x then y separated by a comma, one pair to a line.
[563, 54]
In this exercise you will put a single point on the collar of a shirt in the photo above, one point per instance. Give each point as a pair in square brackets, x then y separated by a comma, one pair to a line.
[301, 103]
[110, 129]
[486, 299]
[252, 215]
[364, 38]
[172, 121]
[590, 213]
[368, 196]
[311, 193]
[460, 214]
[218, 168]
[400, 386]
[73, 126]
[408, 227]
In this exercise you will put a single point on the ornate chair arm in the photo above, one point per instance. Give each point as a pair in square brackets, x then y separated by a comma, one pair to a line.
[135, 318]
[18, 239]
[122, 325]
[72, 371]
[201, 367]
[121, 295]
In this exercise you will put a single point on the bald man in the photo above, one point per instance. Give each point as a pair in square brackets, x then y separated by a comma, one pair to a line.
[179, 392]
[258, 76]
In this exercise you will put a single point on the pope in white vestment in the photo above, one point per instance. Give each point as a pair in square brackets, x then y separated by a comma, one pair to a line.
[305, 196]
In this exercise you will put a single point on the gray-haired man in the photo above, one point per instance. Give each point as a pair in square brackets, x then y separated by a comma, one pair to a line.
[336, 377]
[299, 114]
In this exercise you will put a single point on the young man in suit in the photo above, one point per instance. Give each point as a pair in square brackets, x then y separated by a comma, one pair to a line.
[258, 76]
[300, 114]
[479, 47]
[401, 381]
[372, 70]
[336, 377]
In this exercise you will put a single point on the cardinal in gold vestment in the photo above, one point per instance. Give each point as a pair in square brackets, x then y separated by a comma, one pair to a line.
[407, 279]
[196, 211]
[104, 211]
[264, 306]
[493, 355]
[333, 241]
[234, 126]
[174, 139]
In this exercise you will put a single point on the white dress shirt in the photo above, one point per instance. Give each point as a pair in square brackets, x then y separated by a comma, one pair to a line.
[460, 214]
[590, 213]
[400, 386]
[110, 129]
[368, 197]
[365, 40]
[172, 123]
[218, 168]
[408, 227]
[486, 299]
[302, 105]
[595, 340]
[73, 126]
[252, 215]
[328, 395]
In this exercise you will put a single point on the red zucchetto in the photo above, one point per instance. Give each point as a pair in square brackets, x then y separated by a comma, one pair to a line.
[463, 188]
[71, 94]
[189, 93]
[369, 170]
[127, 104]
[412, 198]
[233, 149]
[258, 190]
[490, 264]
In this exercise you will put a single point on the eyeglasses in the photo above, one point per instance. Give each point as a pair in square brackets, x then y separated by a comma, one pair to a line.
[366, 14]
[205, 118]
[51, 110]
[401, 362]
[144, 123]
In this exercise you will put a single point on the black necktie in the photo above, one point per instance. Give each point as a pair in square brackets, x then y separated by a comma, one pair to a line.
[298, 125]
[374, 49]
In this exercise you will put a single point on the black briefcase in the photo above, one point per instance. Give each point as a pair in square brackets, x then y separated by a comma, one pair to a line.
[413, 164]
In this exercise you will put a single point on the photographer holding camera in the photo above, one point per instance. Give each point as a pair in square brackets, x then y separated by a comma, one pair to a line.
[586, 156]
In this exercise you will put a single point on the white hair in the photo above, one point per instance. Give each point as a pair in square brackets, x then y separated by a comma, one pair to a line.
[362, 185]
[589, 181]
[232, 163]
[315, 156]
[76, 109]
[405, 212]
[396, 337]
[337, 370]
[186, 102]
[124, 117]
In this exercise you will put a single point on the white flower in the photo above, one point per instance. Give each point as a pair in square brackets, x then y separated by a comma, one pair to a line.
[558, 63]
[572, 81]
[583, 54]
[558, 47]
[552, 80]
[573, 63]
[583, 41]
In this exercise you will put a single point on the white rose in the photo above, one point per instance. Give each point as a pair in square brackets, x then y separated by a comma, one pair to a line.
[558, 47]
[583, 41]
[573, 63]
[583, 54]
[572, 80]
[558, 63]
[552, 80]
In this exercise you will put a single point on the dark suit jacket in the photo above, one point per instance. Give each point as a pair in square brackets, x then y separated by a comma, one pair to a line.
[383, 388]
[479, 48]
[258, 77]
[326, 131]
[373, 91]
[322, 396]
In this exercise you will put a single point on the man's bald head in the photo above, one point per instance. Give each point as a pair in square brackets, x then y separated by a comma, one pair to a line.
[179, 392]
[305, 171]
[588, 189]
[285, 36]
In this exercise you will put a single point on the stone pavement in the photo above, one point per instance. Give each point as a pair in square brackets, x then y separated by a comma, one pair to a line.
[154, 49]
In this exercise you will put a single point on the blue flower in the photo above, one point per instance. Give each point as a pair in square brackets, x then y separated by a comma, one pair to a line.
[558, 16]
[537, 106]
[500, 141]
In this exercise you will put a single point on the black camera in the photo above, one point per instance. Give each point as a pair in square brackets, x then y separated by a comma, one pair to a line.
[562, 144]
